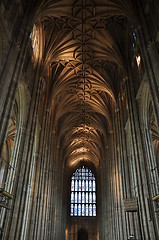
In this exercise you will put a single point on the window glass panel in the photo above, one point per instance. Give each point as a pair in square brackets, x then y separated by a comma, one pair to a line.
[79, 184]
[94, 197]
[94, 185]
[90, 185]
[72, 185]
[83, 210]
[71, 209]
[79, 197]
[75, 210]
[79, 209]
[86, 209]
[83, 197]
[90, 209]
[75, 197]
[76, 174]
[76, 184]
[90, 197]
[86, 197]
[84, 176]
[72, 197]
[86, 185]
[83, 185]
[94, 210]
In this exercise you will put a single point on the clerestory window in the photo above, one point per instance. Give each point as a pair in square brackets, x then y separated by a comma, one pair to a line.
[83, 193]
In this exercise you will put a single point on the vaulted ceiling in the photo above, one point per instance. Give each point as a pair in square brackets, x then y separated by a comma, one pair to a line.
[84, 44]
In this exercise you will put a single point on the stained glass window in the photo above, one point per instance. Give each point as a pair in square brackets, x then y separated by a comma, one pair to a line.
[83, 193]
[134, 37]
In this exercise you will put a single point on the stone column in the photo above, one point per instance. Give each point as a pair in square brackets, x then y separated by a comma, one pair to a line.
[58, 231]
[148, 230]
[104, 192]
[123, 169]
[130, 222]
[150, 57]
[11, 73]
[117, 187]
[44, 186]
[24, 159]
[39, 196]
[152, 174]
[11, 171]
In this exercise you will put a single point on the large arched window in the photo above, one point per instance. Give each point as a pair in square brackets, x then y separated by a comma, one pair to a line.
[83, 193]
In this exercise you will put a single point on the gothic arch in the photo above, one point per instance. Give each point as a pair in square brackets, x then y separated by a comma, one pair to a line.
[10, 154]
[17, 121]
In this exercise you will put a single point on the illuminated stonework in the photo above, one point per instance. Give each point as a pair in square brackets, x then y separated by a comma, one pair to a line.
[35, 41]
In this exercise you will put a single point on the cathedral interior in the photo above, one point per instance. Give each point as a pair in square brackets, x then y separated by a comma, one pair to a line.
[79, 119]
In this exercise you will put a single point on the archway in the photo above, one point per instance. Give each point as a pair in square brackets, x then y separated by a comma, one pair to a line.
[82, 234]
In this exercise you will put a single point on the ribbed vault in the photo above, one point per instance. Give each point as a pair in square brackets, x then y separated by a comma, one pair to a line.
[84, 45]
